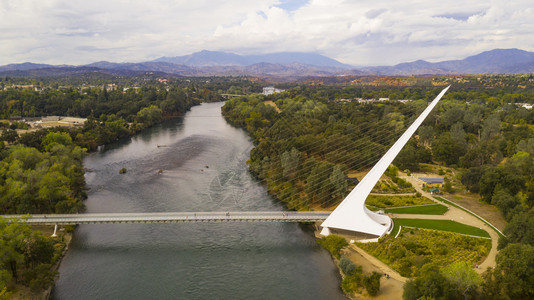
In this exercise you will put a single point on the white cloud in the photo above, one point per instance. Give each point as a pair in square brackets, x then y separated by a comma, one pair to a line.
[363, 32]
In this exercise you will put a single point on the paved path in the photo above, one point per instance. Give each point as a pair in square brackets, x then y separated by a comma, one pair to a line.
[390, 288]
[379, 264]
[460, 216]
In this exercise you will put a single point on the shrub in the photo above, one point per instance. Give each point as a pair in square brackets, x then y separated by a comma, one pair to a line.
[346, 265]
[70, 228]
[349, 285]
[352, 283]
[372, 283]
[333, 243]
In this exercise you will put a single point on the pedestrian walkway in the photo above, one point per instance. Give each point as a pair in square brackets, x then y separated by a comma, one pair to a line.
[460, 216]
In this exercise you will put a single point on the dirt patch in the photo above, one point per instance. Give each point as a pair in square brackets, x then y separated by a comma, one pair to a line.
[271, 103]
[361, 174]
[474, 204]
[389, 288]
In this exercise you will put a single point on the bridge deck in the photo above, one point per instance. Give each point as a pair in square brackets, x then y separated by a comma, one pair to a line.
[172, 217]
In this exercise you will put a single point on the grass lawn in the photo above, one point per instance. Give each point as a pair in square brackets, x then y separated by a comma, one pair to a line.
[432, 209]
[444, 225]
[469, 212]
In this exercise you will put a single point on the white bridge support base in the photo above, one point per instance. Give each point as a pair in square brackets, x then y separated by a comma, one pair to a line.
[351, 214]
[55, 231]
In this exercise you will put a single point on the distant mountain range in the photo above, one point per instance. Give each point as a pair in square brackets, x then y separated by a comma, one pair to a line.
[286, 65]
[497, 61]
[206, 58]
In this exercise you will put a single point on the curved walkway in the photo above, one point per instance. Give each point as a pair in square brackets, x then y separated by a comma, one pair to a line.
[460, 216]
[378, 263]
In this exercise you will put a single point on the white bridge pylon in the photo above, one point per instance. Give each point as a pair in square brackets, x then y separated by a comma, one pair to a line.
[351, 214]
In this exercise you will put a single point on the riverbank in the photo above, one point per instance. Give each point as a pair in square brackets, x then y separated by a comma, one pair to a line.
[189, 261]
[391, 287]
[23, 292]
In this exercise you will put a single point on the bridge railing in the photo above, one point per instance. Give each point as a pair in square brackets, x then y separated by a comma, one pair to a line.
[170, 217]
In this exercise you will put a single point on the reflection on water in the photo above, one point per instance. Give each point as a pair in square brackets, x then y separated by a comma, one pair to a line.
[203, 168]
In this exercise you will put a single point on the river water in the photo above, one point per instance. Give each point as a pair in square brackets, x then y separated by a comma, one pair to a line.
[203, 163]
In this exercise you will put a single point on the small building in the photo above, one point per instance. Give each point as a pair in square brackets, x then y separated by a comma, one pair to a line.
[352, 181]
[434, 191]
[50, 119]
[73, 121]
[432, 181]
[269, 90]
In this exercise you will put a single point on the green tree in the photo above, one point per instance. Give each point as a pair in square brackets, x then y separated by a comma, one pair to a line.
[338, 182]
[526, 146]
[12, 244]
[56, 138]
[39, 250]
[458, 134]
[430, 283]
[333, 243]
[464, 279]
[426, 134]
[347, 266]
[505, 202]
[412, 155]
[9, 135]
[290, 162]
[447, 150]
[490, 128]
[372, 283]
[150, 115]
[447, 185]
[520, 229]
[513, 275]
[318, 185]
[471, 178]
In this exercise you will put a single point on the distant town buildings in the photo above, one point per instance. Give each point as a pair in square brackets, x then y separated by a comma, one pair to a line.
[269, 90]
[368, 101]
[52, 121]
[524, 105]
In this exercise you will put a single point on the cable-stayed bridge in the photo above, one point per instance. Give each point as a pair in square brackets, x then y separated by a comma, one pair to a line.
[351, 215]
[173, 217]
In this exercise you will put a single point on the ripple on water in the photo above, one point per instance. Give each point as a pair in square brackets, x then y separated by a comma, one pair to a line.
[204, 169]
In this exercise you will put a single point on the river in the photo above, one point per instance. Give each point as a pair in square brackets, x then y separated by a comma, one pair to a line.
[199, 166]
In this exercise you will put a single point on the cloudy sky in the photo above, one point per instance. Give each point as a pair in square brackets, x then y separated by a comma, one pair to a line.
[357, 32]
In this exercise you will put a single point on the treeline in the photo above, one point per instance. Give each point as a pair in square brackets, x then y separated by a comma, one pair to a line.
[46, 181]
[97, 102]
[42, 172]
[492, 95]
